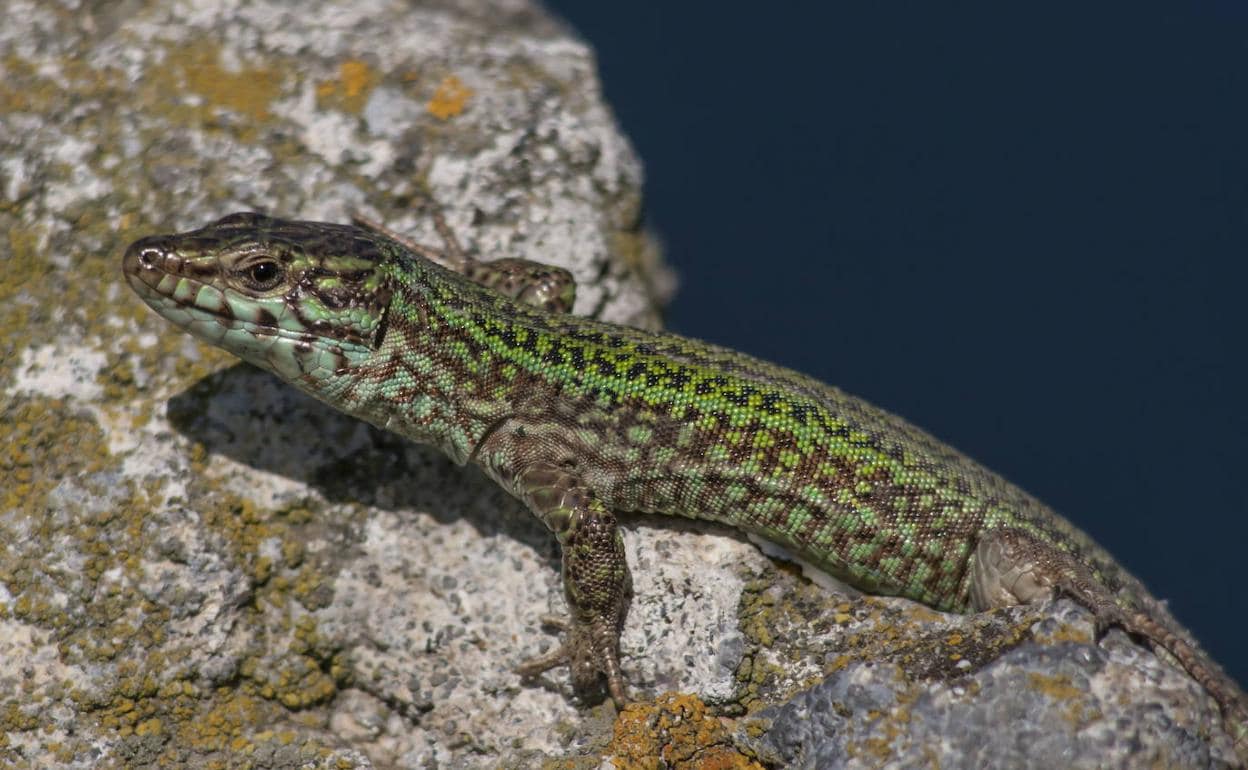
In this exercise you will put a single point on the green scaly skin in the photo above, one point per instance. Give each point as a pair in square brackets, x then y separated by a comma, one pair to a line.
[578, 418]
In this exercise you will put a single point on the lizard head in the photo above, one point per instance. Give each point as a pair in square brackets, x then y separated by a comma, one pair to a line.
[301, 299]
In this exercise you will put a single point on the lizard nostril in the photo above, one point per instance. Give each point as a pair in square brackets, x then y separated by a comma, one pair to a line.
[149, 257]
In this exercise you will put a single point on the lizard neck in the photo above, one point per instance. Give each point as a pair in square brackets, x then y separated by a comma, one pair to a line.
[428, 380]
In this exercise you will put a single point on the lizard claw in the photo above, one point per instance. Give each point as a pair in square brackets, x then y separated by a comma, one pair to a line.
[589, 650]
[557, 622]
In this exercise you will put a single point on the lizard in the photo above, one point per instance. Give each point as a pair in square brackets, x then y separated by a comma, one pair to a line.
[579, 419]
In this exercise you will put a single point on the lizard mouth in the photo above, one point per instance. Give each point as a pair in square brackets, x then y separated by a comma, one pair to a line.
[185, 291]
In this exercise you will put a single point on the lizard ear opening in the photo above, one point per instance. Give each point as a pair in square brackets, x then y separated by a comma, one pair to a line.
[383, 325]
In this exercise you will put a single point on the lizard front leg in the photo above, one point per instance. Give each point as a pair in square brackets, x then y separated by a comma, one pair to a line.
[543, 286]
[596, 581]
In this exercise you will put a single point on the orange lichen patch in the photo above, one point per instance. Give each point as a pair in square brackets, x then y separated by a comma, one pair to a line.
[674, 731]
[1056, 687]
[450, 98]
[350, 90]
[249, 90]
[357, 78]
[1063, 633]
[955, 640]
[1078, 712]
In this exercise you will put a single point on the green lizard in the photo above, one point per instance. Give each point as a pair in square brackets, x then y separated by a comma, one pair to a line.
[578, 418]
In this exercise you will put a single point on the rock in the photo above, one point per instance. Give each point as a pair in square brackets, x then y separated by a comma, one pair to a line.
[202, 567]
[1019, 688]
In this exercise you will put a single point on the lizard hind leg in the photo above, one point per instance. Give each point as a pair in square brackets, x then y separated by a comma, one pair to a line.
[1012, 567]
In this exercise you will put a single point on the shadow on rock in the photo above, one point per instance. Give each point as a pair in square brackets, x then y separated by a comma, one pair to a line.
[253, 418]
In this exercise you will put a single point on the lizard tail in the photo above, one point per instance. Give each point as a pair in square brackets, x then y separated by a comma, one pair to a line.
[1230, 699]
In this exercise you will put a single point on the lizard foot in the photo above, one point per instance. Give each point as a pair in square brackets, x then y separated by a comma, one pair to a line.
[589, 649]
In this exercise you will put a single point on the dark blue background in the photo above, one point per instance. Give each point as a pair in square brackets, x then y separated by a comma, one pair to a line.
[1024, 229]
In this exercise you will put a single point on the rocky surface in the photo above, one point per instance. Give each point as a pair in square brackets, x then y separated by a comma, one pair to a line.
[1055, 701]
[201, 567]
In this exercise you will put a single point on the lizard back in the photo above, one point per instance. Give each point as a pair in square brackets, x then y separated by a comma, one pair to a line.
[658, 423]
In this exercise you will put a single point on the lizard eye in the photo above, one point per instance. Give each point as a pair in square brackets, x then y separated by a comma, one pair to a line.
[263, 275]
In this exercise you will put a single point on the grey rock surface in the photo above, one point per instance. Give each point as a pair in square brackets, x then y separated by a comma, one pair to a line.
[1049, 705]
[201, 567]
